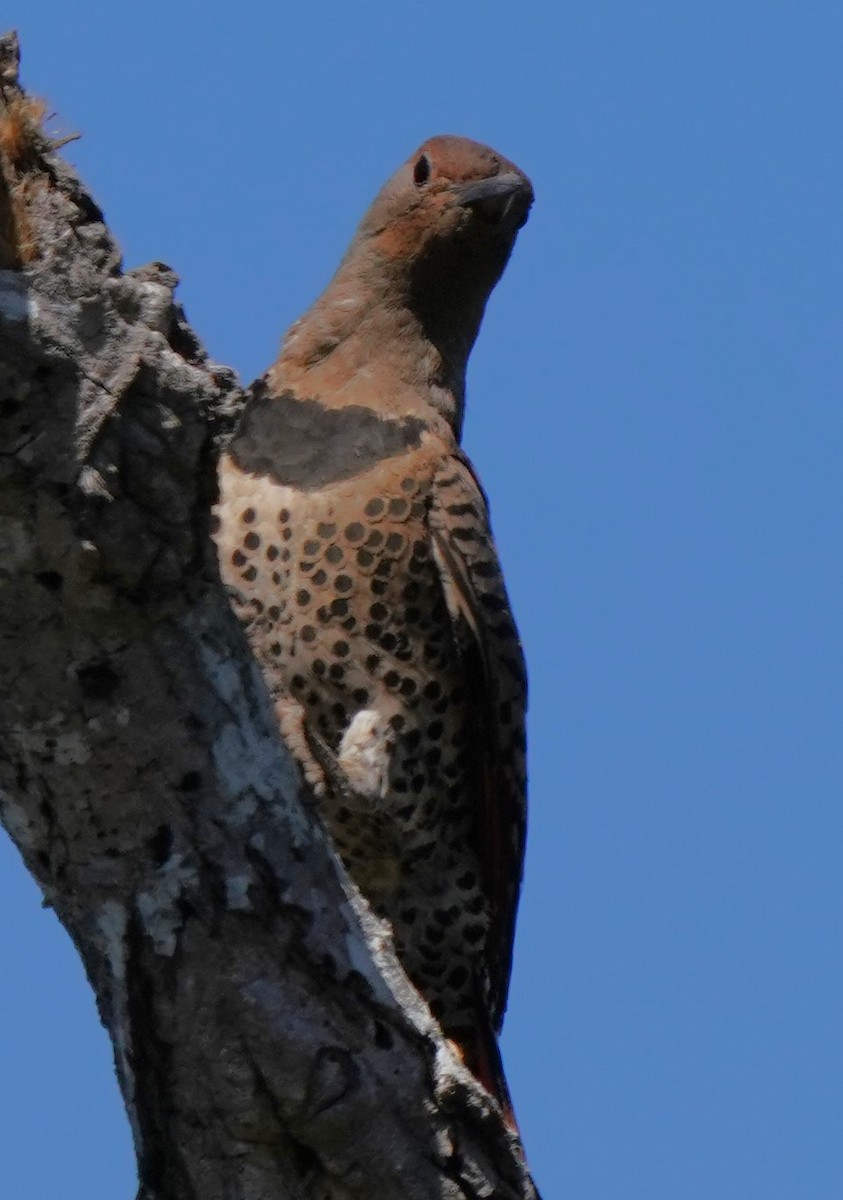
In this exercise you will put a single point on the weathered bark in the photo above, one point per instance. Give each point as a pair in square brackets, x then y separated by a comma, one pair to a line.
[266, 1041]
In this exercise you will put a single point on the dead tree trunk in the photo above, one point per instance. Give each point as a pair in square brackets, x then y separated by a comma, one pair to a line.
[266, 1041]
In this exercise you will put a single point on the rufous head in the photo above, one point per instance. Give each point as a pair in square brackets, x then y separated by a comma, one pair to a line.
[453, 203]
[406, 302]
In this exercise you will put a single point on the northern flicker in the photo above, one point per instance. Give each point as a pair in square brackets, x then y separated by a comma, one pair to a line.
[354, 536]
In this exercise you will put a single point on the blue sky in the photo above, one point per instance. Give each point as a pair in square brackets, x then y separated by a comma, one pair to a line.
[655, 410]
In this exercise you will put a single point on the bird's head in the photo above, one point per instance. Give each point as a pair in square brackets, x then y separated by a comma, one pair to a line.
[447, 219]
[401, 314]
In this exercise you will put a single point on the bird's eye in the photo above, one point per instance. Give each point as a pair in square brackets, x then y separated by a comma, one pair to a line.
[421, 171]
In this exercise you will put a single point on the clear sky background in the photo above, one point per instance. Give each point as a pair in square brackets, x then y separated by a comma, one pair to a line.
[655, 410]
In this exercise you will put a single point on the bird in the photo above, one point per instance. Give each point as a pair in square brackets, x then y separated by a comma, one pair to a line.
[354, 537]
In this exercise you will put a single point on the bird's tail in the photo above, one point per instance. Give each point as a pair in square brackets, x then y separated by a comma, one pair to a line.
[482, 1056]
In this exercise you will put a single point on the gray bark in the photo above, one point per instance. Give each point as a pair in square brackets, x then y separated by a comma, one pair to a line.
[266, 1041]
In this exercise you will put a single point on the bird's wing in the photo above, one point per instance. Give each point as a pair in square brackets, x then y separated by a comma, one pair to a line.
[490, 653]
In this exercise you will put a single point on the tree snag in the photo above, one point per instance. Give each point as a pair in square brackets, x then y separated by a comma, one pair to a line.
[266, 1041]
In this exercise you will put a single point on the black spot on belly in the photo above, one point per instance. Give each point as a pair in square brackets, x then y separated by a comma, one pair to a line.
[458, 977]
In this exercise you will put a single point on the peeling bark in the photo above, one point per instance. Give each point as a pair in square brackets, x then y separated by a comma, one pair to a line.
[266, 1041]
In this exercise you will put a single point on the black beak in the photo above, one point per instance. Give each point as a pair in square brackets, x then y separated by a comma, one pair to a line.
[502, 198]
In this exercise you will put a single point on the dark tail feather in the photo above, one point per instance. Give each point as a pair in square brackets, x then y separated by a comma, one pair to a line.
[483, 1058]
